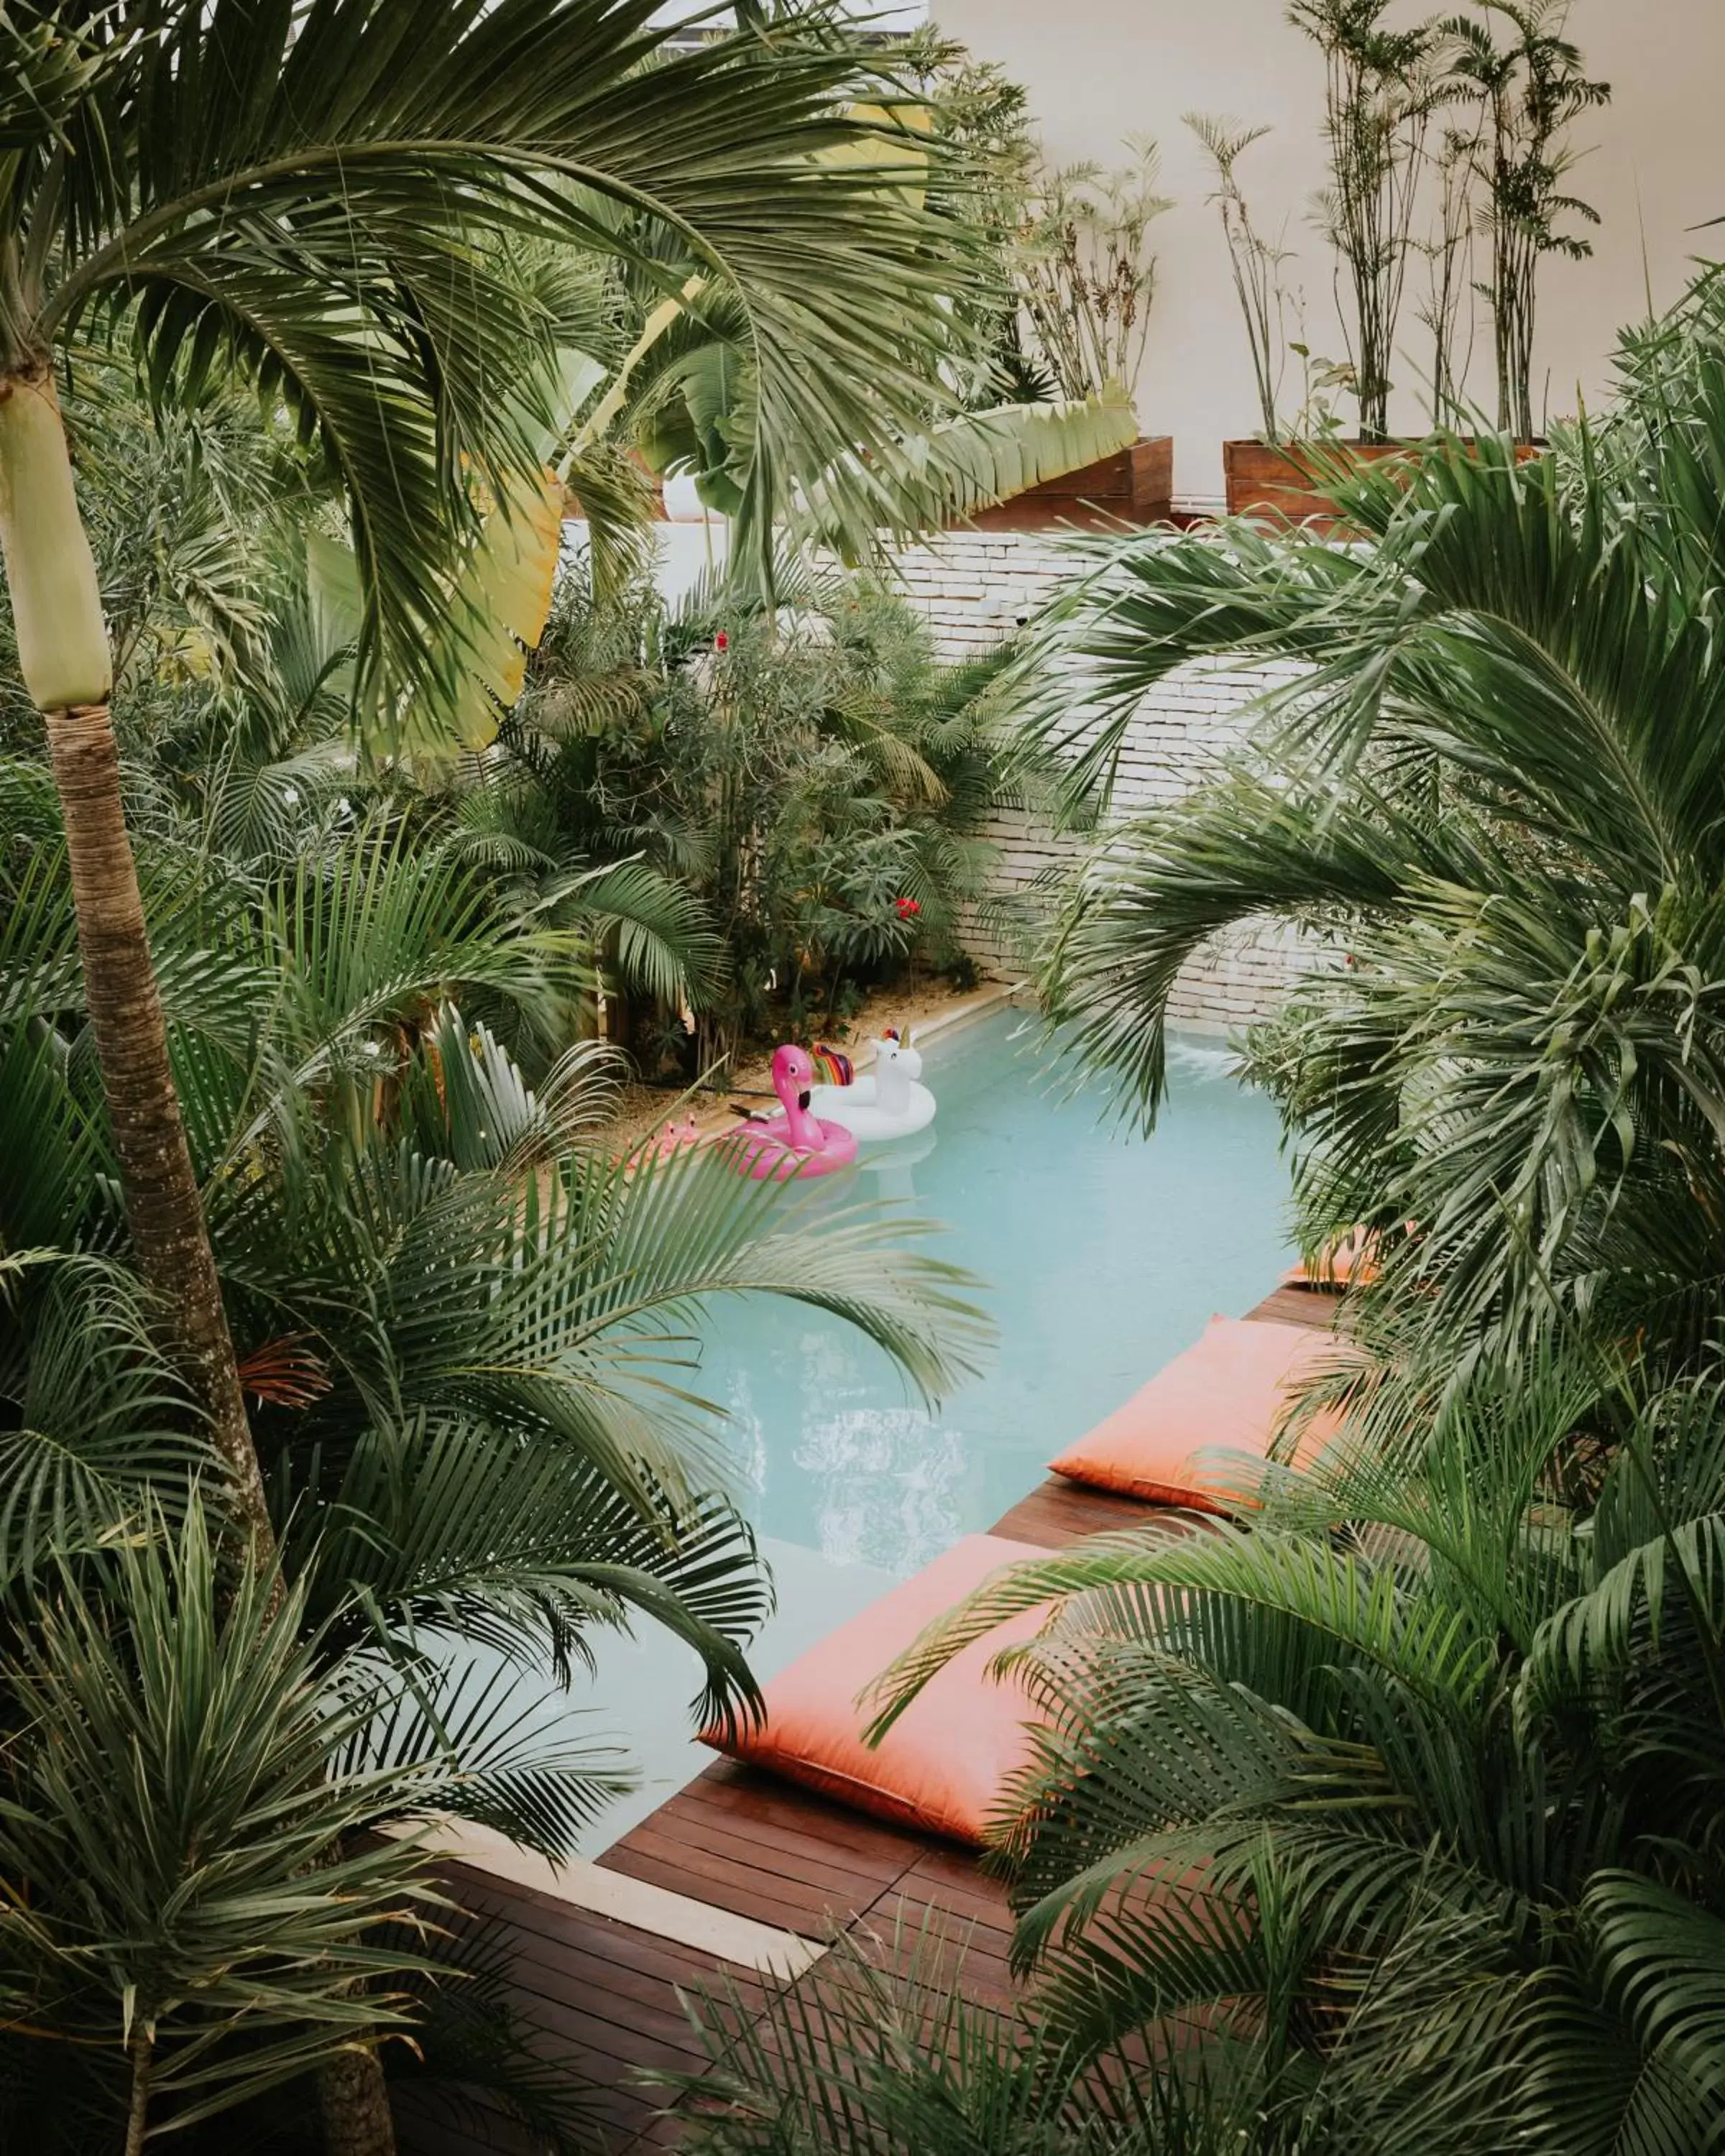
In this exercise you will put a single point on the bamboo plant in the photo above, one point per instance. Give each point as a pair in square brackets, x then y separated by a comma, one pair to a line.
[1380, 94]
[1256, 262]
[1087, 276]
[1530, 88]
[1447, 306]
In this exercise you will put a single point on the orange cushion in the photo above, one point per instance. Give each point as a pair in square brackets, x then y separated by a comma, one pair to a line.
[1225, 1395]
[942, 1765]
[1349, 1258]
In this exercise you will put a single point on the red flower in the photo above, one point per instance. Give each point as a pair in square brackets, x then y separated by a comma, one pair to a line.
[907, 909]
[722, 642]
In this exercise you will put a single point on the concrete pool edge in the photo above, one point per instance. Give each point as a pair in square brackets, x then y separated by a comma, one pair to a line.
[580, 1884]
[983, 1003]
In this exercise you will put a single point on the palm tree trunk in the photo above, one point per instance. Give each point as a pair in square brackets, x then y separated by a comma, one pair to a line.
[64, 656]
[137, 2109]
[163, 1205]
[354, 2098]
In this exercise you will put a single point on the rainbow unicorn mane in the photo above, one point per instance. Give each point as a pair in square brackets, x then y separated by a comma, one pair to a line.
[831, 1067]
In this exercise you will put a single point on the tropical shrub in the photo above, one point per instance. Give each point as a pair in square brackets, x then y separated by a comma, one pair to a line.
[1489, 788]
[307, 204]
[1390, 1822]
[815, 780]
[866, 2060]
[192, 1909]
[429, 1264]
[463, 1328]
[1447, 139]
[1403, 1805]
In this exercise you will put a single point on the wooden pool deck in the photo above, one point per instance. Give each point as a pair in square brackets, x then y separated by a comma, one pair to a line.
[603, 1996]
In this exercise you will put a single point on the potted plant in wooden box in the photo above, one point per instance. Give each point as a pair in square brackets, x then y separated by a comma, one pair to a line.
[1500, 113]
[1084, 278]
[1381, 93]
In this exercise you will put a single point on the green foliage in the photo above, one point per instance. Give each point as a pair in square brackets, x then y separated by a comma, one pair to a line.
[470, 1338]
[1488, 782]
[1402, 1806]
[861, 2062]
[370, 290]
[797, 784]
[1392, 1824]
[1072, 243]
[190, 1907]
[1256, 263]
[1085, 274]
[1528, 91]
[1381, 87]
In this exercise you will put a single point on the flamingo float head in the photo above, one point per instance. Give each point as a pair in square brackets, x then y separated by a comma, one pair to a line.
[792, 1076]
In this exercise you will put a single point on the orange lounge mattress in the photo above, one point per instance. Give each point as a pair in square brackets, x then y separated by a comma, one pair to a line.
[942, 1766]
[1226, 1395]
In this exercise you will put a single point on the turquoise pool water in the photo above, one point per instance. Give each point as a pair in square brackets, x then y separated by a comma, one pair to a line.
[1100, 1255]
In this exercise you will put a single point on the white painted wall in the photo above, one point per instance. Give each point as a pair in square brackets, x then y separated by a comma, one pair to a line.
[1099, 71]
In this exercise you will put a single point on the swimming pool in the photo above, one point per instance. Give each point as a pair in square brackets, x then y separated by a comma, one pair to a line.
[1101, 1255]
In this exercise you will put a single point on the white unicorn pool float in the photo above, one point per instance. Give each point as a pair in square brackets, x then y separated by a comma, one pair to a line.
[889, 1102]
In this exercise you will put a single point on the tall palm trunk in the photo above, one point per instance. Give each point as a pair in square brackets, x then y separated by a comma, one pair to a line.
[64, 658]
[137, 2109]
[354, 2099]
[63, 655]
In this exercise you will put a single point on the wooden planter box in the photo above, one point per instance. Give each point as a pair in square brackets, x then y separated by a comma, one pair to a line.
[1134, 486]
[1283, 481]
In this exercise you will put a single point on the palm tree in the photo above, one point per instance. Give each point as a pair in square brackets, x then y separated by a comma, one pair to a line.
[469, 1340]
[200, 1907]
[324, 198]
[470, 1337]
[1487, 780]
[184, 1867]
[1404, 1803]
[471, 1334]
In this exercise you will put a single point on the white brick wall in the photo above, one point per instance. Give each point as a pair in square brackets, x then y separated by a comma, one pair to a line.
[976, 587]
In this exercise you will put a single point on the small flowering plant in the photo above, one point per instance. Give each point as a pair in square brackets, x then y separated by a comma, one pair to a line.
[907, 909]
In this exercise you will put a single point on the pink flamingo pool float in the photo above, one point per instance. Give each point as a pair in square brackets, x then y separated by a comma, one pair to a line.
[795, 1143]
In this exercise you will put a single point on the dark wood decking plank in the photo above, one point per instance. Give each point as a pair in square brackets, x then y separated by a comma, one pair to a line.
[654, 2037]
[1316, 1307]
[756, 1895]
[428, 2125]
[765, 1805]
[834, 1889]
[607, 1993]
[1058, 1512]
[796, 1854]
[563, 1928]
